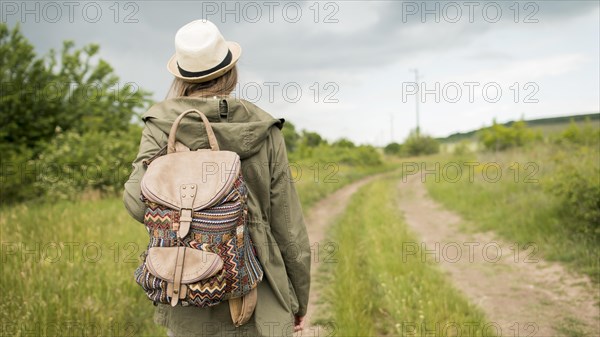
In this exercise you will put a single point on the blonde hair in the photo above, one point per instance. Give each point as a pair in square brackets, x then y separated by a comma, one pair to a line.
[220, 86]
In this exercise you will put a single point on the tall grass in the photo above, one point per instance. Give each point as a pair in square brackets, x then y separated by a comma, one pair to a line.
[67, 270]
[67, 267]
[373, 289]
[523, 206]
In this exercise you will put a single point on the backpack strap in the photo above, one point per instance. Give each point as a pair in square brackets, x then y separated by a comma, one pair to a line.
[212, 139]
[178, 274]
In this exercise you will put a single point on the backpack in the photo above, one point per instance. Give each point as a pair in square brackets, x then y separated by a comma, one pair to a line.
[200, 251]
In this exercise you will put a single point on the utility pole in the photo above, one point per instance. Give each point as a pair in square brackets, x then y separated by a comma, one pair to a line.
[417, 98]
[391, 128]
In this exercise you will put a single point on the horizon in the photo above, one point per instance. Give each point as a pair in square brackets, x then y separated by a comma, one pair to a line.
[541, 118]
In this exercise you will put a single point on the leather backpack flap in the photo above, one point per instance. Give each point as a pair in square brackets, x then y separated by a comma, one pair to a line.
[214, 171]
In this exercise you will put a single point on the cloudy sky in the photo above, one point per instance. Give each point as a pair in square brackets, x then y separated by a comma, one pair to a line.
[345, 69]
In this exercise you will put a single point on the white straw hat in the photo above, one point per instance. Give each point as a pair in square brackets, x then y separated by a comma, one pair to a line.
[201, 53]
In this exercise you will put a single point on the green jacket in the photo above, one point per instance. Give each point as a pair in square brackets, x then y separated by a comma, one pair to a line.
[276, 223]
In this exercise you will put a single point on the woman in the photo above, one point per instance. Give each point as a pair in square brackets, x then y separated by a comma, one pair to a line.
[205, 75]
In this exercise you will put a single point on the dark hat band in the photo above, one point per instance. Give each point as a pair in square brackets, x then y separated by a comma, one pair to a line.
[226, 61]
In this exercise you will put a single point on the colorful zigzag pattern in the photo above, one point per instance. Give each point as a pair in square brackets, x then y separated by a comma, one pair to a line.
[221, 229]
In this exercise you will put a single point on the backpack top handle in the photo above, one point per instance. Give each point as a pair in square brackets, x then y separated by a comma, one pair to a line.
[212, 140]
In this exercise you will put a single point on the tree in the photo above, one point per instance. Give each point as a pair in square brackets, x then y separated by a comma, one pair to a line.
[290, 136]
[42, 97]
[393, 149]
[420, 144]
[344, 143]
[312, 139]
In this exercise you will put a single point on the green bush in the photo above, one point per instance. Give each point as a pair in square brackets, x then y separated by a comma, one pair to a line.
[574, 134]
[577, 178]
[363, 155]
[417, 145]
[16, 174]
[499, 137]
[581, 196]
[99, 161]
[393, 149]
[462, 148]
[344, 143]
[309, 146]
[290, 136]
[311, 139]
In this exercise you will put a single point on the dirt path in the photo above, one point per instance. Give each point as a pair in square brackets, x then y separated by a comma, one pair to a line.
[519, 292]
[318, 219]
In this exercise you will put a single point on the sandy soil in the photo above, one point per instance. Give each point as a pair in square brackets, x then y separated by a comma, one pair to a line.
[522, 294]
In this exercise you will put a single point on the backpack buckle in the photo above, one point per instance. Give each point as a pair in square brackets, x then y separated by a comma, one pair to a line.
[187, 192]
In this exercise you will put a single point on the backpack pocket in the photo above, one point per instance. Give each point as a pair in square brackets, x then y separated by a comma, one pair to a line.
[197, 264]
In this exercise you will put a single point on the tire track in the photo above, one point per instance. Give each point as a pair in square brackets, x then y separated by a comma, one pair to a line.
[318, 219]
[520, 293]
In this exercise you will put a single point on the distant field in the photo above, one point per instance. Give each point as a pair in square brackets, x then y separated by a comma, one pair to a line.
[546, 126]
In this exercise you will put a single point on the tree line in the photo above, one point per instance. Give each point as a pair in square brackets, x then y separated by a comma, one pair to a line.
[71, 126]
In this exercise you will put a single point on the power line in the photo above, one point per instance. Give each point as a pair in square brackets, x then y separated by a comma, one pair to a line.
[417, 97]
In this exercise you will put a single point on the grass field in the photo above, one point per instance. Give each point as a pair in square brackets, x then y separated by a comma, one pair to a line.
[373, 289]
[67, 270]
[314, 181]
[67, 267]
[513, 194]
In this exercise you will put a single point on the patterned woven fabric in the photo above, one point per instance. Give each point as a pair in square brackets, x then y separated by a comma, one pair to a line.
[220, 229]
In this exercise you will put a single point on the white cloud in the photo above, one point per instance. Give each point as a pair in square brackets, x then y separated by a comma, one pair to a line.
[530, 69]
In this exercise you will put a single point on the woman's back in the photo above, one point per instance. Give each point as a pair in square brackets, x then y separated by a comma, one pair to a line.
[275, 216]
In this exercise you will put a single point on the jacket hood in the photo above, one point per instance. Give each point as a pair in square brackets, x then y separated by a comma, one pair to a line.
[239, 125]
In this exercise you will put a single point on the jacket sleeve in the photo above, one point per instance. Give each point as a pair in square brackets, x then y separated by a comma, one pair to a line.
[287, 223]
[149, 146]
